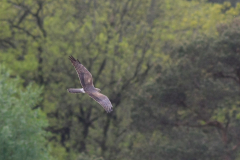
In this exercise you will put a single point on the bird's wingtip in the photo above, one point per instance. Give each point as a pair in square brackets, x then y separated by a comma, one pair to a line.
[72, 59]
[109, 110]
[79, 61]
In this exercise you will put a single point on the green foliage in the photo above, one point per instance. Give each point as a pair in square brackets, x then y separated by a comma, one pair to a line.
[85, 157]
[178, 143]
[122, 43]
[21, 127]
[186, 19]
[196, 99]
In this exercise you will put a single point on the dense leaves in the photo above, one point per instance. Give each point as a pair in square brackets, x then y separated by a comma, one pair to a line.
[198, 92]
[21, 129]
[165, 84]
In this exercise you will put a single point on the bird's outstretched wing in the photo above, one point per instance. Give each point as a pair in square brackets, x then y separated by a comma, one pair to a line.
[102, 100]
[84, 75]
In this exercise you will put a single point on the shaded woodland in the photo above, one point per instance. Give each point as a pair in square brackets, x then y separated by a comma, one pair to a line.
[170, 68]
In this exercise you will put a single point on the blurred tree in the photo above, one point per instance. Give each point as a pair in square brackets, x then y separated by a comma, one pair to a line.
[118, 41]
[21, 128]
[195, 100]
[233, 2]
[86, 157]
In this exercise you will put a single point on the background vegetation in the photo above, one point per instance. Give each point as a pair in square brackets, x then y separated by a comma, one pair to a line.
[170, 68]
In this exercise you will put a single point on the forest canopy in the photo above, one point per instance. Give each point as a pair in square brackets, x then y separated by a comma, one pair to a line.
[170, 68]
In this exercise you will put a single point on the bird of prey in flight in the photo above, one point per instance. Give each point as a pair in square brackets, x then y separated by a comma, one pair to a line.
[86, 81]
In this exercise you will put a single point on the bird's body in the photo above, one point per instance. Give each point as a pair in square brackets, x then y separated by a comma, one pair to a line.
[86, 81]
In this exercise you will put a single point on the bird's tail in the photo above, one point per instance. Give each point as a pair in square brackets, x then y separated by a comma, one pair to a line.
[76, 90]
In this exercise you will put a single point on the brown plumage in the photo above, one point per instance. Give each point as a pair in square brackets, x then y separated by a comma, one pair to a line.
[86, 81]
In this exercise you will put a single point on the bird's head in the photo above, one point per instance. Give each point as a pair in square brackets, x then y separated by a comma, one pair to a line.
[99, 90]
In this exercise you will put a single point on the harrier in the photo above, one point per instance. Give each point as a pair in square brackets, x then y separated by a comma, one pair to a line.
[86, 81]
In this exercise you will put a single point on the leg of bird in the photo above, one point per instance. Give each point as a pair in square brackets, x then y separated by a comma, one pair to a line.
[76, 90]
